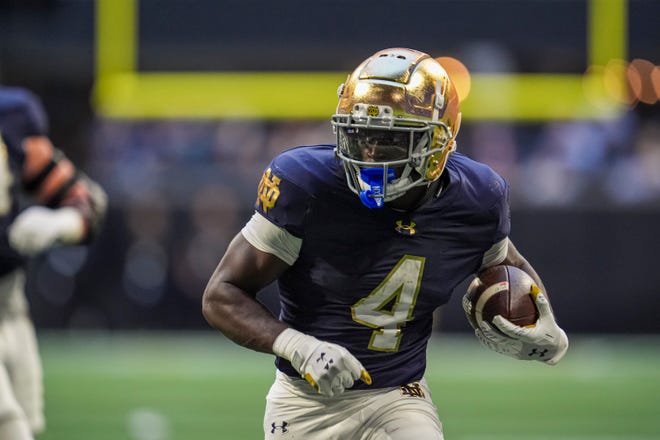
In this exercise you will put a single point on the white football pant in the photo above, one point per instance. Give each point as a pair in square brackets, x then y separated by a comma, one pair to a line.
[294, 410]
[21, 388]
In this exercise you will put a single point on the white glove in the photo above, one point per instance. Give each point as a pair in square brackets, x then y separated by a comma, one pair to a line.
[497, 342]
[329, 368]
[37, 228]
[545, 341]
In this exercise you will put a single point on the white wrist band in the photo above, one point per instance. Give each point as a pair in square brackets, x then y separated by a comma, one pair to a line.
[286, 342]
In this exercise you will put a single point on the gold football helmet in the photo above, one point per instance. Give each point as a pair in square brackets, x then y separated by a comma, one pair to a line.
[396, 124]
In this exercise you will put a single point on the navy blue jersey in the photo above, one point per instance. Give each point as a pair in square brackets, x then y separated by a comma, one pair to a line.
[21, 116]
[370, 279]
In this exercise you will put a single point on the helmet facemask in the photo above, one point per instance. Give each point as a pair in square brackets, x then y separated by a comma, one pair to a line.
[384, 157]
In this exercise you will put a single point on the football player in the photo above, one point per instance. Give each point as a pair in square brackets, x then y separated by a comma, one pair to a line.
[366, 238]
[44, 201]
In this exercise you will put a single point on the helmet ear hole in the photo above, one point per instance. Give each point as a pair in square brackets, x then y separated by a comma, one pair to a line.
[435, 164]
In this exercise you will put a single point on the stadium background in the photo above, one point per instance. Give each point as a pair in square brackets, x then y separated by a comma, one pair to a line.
[176, 106]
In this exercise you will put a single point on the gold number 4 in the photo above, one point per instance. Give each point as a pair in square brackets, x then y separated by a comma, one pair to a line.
[390, 305]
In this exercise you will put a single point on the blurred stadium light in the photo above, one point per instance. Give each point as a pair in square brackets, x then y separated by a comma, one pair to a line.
[122, 91]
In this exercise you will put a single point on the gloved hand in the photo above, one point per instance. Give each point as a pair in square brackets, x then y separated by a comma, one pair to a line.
[492, 339]
[38, 228]
[545, 341]
[329, 368]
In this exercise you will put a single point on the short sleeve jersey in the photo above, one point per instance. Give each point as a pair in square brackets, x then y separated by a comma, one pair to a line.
[370, 279]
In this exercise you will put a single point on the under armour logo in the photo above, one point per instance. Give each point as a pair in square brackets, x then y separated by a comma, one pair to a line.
[322, 358]
[536, 352]
[275, 427]
[404, 229]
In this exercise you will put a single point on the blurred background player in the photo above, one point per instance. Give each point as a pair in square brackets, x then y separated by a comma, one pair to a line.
[62, 206]
[366, 239]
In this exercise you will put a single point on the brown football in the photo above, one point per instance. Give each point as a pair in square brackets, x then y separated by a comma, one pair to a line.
[501, 290]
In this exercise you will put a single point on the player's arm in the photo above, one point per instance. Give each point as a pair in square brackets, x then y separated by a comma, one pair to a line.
[70, 206]
[545, 337]
[256, 257]
[229, 301]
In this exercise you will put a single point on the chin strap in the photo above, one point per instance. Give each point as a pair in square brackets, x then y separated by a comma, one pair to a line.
[373, 177]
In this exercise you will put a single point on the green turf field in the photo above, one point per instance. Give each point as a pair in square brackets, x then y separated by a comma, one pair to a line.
[197, 386]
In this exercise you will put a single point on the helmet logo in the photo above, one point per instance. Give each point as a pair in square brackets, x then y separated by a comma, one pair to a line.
[372, 110]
